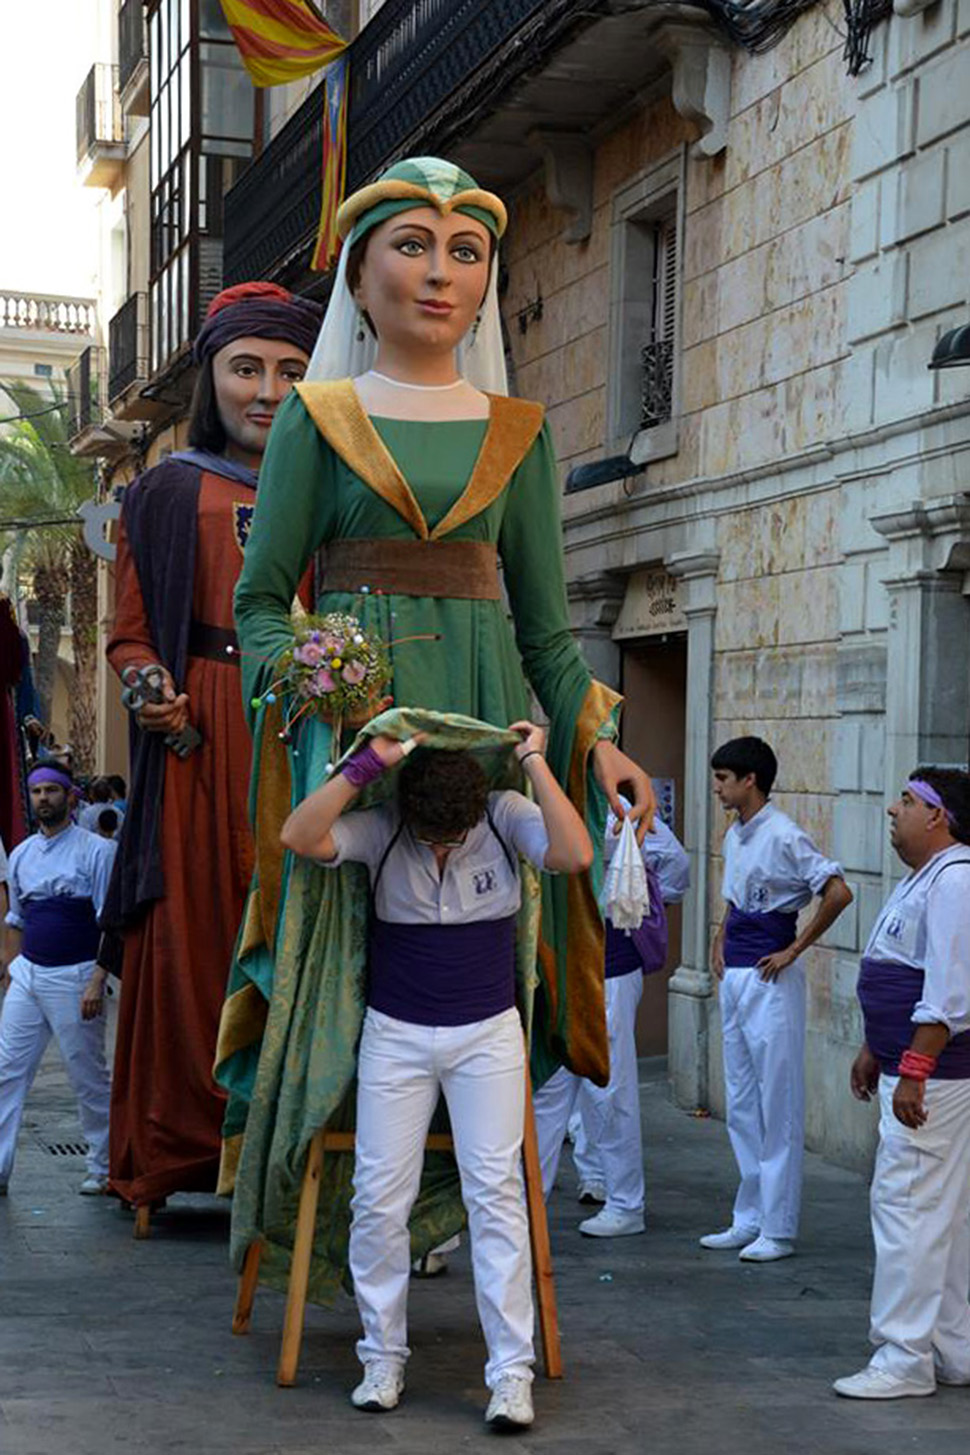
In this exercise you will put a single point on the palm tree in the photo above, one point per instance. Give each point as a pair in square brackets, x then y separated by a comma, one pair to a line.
[40, 479]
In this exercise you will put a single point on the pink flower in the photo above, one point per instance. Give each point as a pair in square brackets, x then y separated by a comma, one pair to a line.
[354, 672]
[309, 653]
[332, 645]
[322, 682]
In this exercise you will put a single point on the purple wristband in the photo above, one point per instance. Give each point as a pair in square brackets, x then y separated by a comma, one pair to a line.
[364, 767]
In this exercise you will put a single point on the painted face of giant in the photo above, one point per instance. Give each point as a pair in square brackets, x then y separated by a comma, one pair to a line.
[251, 377]
[423, 278]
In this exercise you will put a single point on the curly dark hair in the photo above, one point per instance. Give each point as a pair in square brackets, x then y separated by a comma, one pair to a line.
[953, 786]
[442, 793]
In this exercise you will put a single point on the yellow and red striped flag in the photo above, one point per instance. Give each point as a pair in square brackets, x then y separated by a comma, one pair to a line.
[327, 245]
[281, 40]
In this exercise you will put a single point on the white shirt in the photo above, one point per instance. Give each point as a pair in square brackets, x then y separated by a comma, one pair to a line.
[926, 923]
[477, 882]
[72, 863]
[89, 813]
[771, 864]
[662, 851]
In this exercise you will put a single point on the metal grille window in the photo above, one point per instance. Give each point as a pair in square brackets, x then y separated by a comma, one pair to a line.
[657, 355]
[203, 121]
[644, 340]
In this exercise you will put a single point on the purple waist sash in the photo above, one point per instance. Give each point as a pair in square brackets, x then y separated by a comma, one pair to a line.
[888, 993]
[60, 930]
[442, 975]
[621, 953]
[749, 937]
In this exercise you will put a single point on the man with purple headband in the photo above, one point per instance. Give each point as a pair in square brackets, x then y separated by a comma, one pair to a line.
[58, 879]
[914, 985]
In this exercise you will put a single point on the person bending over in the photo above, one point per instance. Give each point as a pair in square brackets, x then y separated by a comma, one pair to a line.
[441, 1017]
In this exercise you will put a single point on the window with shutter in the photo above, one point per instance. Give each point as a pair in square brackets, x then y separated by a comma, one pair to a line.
[657, 355]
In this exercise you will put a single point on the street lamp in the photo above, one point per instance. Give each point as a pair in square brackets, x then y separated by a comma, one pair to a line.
[953, 349]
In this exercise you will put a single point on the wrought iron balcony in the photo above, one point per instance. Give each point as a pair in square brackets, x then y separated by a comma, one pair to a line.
[657, 383]
[133, 57]
[418, 70]
[127, 347]
[86, 391]
[100, 130]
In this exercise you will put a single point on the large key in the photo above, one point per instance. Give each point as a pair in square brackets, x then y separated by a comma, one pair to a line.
[146, 685]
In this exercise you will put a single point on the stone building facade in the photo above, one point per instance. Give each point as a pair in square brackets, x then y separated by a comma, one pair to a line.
[792, 560]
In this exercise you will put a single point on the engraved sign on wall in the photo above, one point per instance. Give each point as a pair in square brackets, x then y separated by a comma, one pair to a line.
[651, 606]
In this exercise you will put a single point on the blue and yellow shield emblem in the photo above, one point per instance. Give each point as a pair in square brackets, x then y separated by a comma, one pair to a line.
[242, 518]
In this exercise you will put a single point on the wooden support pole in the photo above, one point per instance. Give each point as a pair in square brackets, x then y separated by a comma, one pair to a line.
[539, 1237]
[143, 1220]
[242, 1314]
[300, 1265]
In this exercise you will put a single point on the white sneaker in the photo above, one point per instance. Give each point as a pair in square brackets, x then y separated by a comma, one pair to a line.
[381, 1387]
[732, 1237]
[591, 1192]
[94, 1185]
[612, 1223]
[872, 1383]
[510, 1407]
[767, 1250]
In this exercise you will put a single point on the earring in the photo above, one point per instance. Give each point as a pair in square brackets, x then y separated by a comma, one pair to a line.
[360, 326]
[476, 326]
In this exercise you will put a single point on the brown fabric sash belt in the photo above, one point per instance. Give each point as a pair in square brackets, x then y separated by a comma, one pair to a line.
[463, 569]
[211, 642]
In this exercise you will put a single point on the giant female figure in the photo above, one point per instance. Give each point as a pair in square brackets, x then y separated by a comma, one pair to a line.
[420, 488]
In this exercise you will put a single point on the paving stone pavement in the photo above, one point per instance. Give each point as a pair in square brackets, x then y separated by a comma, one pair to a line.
[111, 1346]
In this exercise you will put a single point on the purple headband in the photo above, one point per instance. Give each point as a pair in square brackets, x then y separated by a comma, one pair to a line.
[49, 774]
[296, 321]
[929, 795]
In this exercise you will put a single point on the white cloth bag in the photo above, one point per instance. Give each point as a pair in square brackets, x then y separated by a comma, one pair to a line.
[625, 897]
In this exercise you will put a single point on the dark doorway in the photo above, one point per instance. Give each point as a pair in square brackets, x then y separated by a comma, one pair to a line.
[653, 733]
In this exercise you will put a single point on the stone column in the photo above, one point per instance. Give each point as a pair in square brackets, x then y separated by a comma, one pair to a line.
[691, 987]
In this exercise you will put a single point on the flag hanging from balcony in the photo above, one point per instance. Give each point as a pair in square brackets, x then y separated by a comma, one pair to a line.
[281, 40]
[327, 245]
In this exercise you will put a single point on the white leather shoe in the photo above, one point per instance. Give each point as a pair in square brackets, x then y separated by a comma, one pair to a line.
[872, 1383]
[612, 1223]
[93, 1186]
[381, 1387]
[732, 1237]
[767, 1250]
[510, 1407]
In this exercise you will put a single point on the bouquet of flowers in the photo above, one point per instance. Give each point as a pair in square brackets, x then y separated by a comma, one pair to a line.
[334, 670]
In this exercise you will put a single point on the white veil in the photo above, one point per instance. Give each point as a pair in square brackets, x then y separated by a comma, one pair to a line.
[340, 354]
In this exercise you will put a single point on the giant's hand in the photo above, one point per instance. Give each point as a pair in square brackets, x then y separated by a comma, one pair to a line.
[613, 771]
[169, 716]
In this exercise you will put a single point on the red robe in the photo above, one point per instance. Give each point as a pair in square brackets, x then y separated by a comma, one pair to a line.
[166, 1110]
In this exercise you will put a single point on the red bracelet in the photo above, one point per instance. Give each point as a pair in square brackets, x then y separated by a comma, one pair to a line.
[916, 1066]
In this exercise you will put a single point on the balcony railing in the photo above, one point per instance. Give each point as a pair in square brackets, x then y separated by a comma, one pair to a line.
[86, 391]
[416, 70]
[128, 345]
[656, 383]
[132, 40]
[98, 111]
[47, 313]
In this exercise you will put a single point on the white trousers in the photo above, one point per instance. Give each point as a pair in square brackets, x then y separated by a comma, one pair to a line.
[920, 1205]
[480, 1069]
[610, 1146]
[41, 1001]
[763, 1025]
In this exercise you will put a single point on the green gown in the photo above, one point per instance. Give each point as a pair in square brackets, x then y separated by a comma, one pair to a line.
[292, 1017]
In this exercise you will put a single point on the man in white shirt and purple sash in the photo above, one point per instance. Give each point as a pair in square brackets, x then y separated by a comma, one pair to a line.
[914, 986]
[771, 871]
[58, 879]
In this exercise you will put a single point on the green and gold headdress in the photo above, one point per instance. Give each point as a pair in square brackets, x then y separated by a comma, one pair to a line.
[419, 182]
